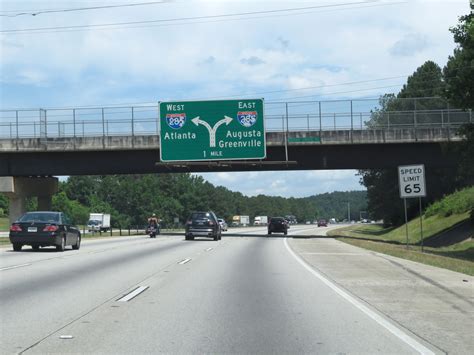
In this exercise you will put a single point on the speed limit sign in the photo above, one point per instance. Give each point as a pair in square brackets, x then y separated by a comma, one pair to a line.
[411, 179]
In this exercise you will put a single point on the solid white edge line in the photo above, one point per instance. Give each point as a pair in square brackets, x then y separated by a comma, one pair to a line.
[133, 294]
[182, 262]
[13, 267]
[376, 317]
[209, 249]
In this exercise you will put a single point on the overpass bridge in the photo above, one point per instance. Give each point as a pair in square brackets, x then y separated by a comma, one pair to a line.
[355, 134]
[340, 134]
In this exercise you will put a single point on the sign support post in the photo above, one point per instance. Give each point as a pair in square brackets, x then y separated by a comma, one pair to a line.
[406, 219]
[421, 225]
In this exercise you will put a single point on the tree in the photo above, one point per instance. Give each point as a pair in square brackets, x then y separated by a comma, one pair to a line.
[80, 188]
[459, 71]
[3, 205]
[382, 184]
[466, 152]
[78, 213]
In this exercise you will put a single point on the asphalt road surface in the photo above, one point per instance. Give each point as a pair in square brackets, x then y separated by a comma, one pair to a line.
[243, 294]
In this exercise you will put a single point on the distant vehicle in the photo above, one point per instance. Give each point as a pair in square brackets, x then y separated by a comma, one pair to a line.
[260, 221]
[223, 224]
[291, 219]
[322, 223]
[202, 224]
[98, 222]
[332, 221]
[278, 225]
[45, 228]
[240, 221]
[308, 222]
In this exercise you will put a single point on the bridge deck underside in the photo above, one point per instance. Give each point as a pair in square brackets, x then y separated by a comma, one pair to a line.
[299, 157]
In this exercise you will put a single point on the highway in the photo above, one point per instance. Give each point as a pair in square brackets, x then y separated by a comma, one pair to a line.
[243, 294]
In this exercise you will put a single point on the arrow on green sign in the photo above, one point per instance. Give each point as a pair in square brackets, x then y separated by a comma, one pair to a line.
[212, 131]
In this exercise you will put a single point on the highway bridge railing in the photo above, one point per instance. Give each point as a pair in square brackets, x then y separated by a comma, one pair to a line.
[336, 115]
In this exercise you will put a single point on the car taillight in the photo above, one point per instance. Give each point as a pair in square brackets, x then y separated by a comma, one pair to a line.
[211, 223]
[51, 228]
[189, 222]
[15, 228]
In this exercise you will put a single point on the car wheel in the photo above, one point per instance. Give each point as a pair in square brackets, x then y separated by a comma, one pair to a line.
[17, 246]
[216, 237]
[35, 247]
[78, 243]
[285, 232]
[269, 233]
[61, 246]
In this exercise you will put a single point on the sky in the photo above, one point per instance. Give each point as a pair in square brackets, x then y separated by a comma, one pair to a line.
[57, 54]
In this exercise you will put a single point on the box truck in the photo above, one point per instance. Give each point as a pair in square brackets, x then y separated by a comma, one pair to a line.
[260, 221]
[98, 222]
[240, 221]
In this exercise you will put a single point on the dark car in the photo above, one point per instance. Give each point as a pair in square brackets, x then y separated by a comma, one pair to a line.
[322, 223]
[278, 225]
[41, 229]
[202, 224]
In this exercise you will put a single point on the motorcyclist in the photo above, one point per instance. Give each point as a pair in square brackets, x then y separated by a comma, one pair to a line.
[153, 222]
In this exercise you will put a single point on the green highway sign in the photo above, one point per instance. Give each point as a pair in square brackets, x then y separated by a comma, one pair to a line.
[212, 130]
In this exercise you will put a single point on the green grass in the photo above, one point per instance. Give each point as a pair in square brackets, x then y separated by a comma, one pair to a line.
[431, 226]
[392, 241]
[4, 224]
[456, 203]
[458, 257]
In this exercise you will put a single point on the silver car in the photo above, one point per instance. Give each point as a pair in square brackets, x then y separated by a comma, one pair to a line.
[223, 224]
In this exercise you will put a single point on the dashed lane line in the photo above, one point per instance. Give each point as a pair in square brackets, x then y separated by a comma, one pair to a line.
[13, 267]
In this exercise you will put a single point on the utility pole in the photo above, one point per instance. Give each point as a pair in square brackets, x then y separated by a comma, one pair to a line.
[349, 211]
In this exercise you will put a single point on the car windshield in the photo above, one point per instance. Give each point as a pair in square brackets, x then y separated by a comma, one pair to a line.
[92, 223]
[200, 215]
[40, 217]
[273, 220]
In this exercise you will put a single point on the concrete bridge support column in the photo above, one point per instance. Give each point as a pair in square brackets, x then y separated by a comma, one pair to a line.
[17, 206]
[19, 188]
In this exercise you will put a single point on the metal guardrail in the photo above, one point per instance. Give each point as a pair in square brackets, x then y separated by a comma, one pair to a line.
[279, 117]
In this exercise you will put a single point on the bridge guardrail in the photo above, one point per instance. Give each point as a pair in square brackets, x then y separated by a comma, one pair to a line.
[279, 117]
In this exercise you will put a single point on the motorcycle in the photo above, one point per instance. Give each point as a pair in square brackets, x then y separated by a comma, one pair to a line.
[152, 231]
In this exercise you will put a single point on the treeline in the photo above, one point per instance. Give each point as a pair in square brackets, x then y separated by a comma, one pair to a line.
[130, 199]
[452, 86]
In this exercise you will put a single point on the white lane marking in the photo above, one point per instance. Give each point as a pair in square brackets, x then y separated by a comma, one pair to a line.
[399, 333]
[182, 262]
[14, 267]
[66, 337]
[209, 249]
[133, 294]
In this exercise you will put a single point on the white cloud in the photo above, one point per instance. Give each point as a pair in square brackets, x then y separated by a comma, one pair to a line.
[409, 45]
[286, 183]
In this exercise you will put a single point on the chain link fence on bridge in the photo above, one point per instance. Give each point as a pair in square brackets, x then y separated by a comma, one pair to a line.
[390, 113]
